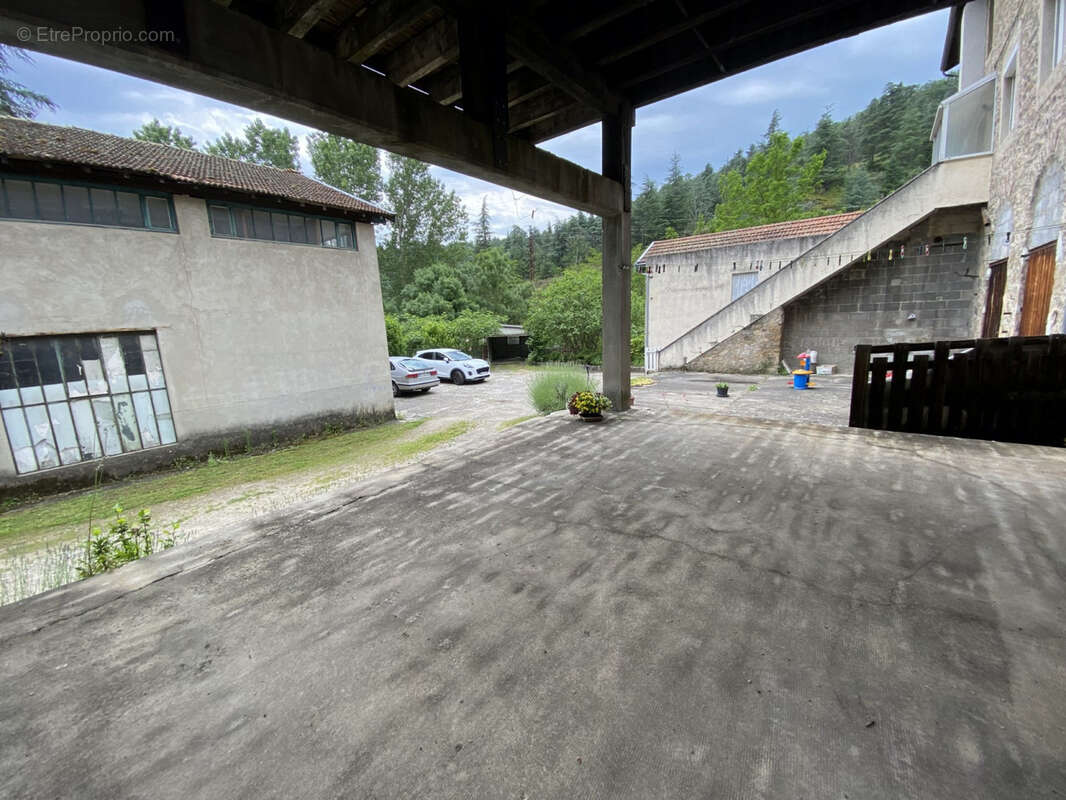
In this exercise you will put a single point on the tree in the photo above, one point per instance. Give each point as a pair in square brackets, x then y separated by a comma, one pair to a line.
[648, 221]
[566, 317]
[260, 144]
[350, 166]
[15, 99]
[676, 197]
[861, 188]
[492, 284]
[428, 218]
[156, 131]
[778, 184]
[435, 291]
[483, 236]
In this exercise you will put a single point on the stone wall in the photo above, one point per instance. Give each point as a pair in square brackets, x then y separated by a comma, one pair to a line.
[754, 349]
[921, 297]
[1027, 203]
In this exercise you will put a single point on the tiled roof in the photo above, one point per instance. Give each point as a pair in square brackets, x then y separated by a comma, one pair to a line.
[814, 226]
[34, 141]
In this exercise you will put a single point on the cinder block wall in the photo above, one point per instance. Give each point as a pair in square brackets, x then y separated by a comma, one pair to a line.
[871, 302]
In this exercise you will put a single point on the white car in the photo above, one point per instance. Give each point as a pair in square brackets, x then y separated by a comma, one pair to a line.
[455, 365]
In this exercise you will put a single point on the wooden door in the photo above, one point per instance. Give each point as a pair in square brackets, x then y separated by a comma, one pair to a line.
[997, 282]
[1039, 276]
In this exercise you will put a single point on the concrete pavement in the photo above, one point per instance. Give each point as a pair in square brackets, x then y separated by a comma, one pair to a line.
[665, 605]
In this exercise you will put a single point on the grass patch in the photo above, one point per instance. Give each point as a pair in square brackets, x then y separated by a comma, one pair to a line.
[512, 422]
[378, 444]
[636, 383]
[550, 387]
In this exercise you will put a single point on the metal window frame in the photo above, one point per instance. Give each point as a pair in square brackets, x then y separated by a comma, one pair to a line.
[67, 399]
[318, 218]
[89, 186]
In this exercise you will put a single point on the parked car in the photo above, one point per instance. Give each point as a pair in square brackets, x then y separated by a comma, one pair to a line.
[455, 365]
[411, 375]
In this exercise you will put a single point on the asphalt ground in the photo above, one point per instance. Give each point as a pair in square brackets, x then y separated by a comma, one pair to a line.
[668, 604]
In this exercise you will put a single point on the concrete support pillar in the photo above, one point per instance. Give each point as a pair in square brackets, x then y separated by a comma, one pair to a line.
[617, 270]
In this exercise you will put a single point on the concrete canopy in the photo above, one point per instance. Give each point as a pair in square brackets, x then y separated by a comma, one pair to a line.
[467, 85]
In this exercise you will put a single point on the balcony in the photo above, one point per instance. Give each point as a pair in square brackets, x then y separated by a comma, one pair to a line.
[963, 123]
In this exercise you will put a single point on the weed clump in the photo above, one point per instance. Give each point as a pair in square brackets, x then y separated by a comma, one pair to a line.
[123, 542]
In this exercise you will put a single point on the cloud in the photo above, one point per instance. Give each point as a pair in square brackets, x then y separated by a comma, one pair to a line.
[757, 91]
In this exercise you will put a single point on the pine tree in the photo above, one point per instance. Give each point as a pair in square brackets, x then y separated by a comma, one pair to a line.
[483, 234]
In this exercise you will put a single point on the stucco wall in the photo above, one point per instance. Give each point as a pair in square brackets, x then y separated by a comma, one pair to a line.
[686, 288]
[253, 335]
[1027, 199]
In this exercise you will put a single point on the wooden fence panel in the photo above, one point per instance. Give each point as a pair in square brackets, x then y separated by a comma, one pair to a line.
[1006, 389]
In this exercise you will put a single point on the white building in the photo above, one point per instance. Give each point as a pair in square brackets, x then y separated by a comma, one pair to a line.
[159, 302]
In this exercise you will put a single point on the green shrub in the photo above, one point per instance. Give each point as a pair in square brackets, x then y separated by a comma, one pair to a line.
[123, 543]
[551, 387]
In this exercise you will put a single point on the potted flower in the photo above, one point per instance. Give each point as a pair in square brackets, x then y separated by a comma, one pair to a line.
[723, 389]
[588, 405]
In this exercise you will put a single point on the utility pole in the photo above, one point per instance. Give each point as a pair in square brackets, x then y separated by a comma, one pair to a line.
[532, 262]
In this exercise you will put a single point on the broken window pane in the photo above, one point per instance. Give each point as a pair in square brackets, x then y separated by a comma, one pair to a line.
[26, 373]
[104, 211]
[48, 366]
[44, 447]
[50, 201]
[9, 393]
[158, 212]
[85, 425]
[20, 199]
[134, 361]
[18, 436]
[105, 424]
[70, 361]
[126, 420]
[76, 200]
[281, 226]
[113, 364]
[142, 404]
[130, 212]
[163, 417]
[154, 369]
[66, 438]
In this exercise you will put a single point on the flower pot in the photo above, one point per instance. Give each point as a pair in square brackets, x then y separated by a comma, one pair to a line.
[586, 417]
[723, 392]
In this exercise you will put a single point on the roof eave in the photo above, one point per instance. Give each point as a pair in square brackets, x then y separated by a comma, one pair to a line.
[950, 58]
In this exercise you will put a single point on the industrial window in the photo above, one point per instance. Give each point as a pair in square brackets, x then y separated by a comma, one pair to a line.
[56, 201]
[67, 399]
[240, 222]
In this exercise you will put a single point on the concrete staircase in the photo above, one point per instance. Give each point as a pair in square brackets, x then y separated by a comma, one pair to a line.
[949, 184]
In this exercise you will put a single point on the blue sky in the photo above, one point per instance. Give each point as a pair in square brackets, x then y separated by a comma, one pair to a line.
[704, 126]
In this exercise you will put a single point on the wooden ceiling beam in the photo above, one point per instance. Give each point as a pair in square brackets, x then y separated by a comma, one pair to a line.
[542, 107]
[612, 12]
[741, 45]
[223, 54]
[655, 36]
[527, 42]
[297, 17]
[431, 50]
[365, 35]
